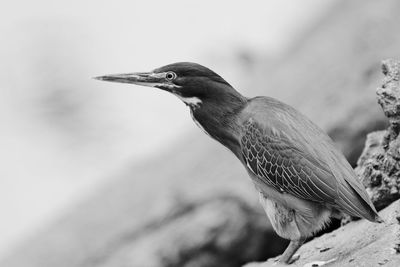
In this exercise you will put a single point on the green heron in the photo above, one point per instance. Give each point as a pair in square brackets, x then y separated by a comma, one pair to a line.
[302, 179]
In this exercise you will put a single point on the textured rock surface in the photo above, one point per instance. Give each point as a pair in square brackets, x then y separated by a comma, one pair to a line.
[379, 165]
[389, 93]
[359, 243]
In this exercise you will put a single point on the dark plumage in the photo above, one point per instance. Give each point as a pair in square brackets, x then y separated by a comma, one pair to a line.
[301, 177]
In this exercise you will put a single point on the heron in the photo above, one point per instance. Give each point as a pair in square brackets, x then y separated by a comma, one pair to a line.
[302, 179]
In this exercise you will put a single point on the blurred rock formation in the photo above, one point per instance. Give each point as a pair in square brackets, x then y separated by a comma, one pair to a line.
[222, 230]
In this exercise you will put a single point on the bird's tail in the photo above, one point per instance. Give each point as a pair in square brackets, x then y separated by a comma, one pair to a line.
[356, 202]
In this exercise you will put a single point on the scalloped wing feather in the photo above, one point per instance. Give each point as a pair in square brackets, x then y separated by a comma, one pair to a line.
[292, 155]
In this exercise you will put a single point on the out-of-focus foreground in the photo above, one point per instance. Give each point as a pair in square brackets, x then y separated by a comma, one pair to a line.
[63, 134]
[192, 205]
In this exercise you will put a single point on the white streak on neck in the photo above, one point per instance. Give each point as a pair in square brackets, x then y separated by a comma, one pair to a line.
[192, 102]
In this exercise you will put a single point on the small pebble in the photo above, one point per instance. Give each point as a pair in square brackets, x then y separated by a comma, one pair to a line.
[396, 248]
[324, 249]
[318, 263]
[383, 262]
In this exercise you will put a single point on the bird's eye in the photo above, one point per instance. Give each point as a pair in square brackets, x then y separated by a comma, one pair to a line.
[170, 76]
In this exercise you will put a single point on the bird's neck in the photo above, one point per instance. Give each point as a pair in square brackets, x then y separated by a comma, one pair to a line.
[219, 119]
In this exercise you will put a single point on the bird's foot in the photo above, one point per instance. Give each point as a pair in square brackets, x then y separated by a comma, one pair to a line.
[283, 261]
[294, 258]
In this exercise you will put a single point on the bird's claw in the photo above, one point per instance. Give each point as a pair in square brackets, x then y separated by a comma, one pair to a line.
[294, 258]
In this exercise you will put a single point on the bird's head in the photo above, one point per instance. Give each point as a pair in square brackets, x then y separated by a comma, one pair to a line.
[214, 103]
[192, 83]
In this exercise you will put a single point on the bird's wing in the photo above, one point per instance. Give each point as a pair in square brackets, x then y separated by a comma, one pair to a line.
[278, 163]
[286, 159]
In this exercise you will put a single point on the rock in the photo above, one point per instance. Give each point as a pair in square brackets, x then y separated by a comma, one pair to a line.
[359, 243]
[389, 93]
[379, 164]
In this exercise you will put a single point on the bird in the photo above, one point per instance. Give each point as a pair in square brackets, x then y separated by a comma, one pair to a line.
[301, 178]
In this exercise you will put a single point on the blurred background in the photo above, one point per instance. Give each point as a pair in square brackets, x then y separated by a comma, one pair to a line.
[92, 171]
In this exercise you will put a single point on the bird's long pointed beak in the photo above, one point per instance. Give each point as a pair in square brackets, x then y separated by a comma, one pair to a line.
[140, 78]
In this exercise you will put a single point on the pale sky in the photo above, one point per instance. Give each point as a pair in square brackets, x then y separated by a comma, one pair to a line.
[51, 49]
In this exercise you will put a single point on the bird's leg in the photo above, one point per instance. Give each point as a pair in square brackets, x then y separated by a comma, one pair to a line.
[287, 255]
